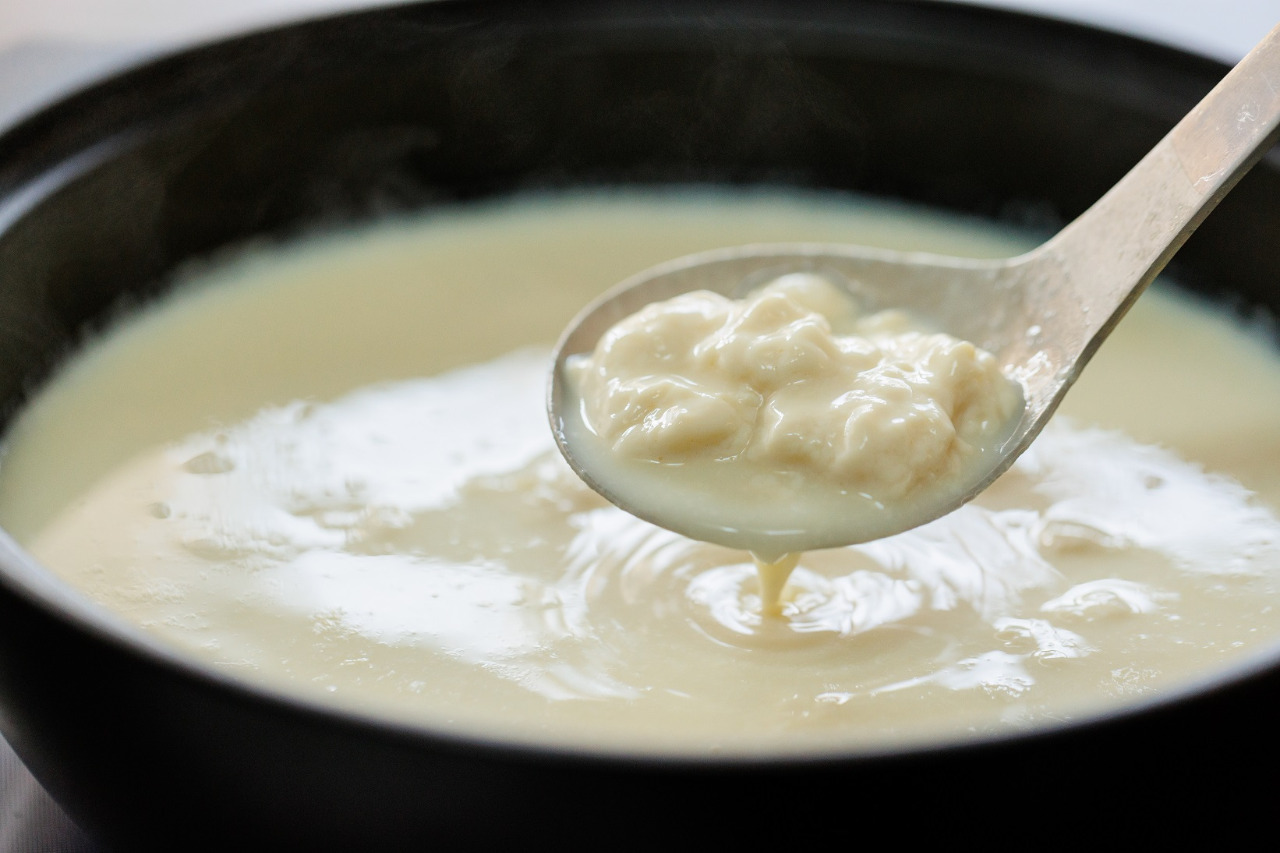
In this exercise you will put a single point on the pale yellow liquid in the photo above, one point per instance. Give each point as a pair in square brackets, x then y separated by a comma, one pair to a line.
[327, 470]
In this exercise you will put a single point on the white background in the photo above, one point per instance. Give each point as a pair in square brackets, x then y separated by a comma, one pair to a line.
[1224, 28]
[1217, 26]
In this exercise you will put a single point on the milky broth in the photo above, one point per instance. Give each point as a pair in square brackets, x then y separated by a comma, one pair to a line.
[326, 468]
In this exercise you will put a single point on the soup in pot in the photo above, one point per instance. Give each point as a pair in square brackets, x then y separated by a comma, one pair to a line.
[325, 468]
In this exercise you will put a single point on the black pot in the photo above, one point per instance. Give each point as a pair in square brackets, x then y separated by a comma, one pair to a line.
[103, 195]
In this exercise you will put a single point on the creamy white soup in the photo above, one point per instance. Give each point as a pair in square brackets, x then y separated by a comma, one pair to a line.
[325, 468]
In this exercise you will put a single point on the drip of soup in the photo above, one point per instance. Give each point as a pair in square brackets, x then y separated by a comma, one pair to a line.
[325, 469]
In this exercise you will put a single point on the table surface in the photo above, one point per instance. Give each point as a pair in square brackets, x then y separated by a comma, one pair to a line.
[51, 46]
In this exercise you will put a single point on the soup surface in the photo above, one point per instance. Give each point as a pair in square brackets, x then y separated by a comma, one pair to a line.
[325, 468]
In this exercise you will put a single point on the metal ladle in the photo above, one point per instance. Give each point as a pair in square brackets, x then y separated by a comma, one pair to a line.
[1043, 314]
